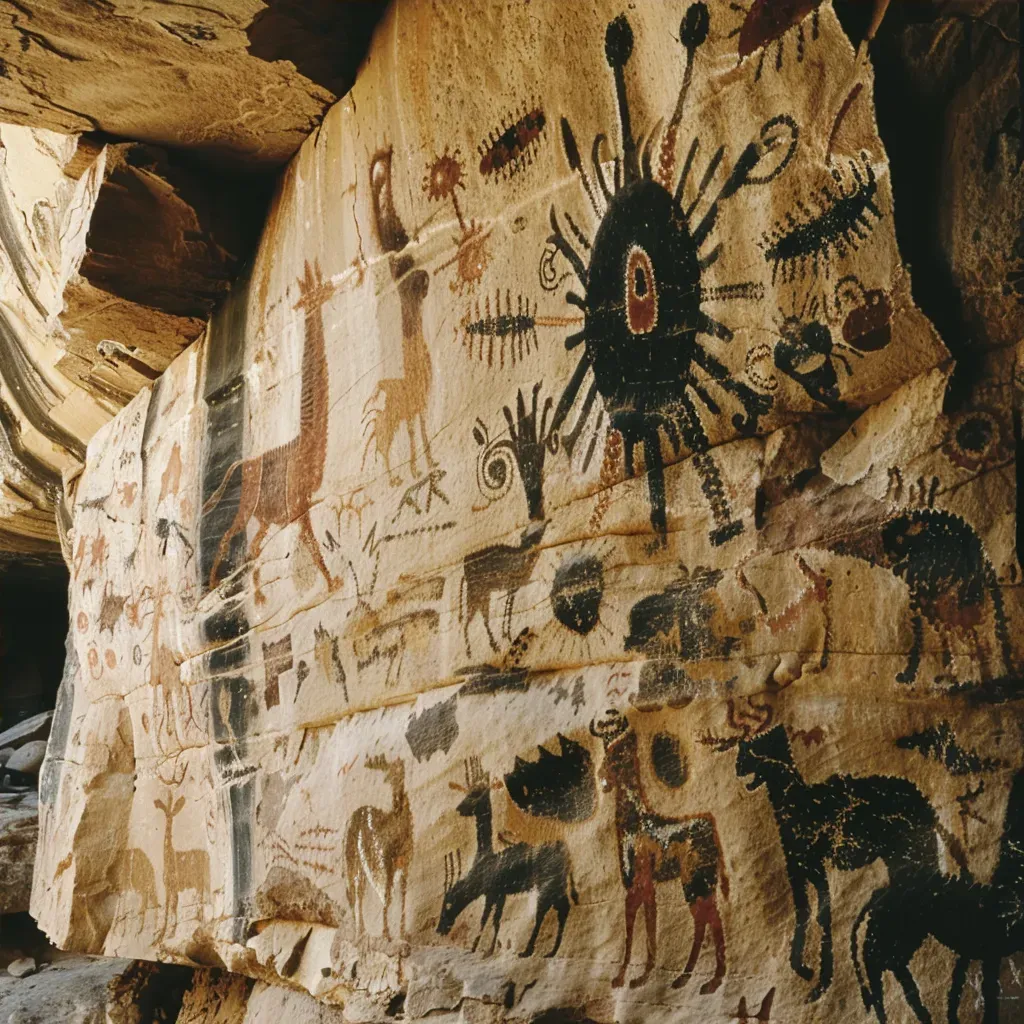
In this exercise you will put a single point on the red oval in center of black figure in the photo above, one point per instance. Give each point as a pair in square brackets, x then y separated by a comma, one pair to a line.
[641, 292]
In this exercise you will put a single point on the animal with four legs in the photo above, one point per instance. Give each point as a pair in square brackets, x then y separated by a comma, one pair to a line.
[847, 822]
[378, 847]
[402, 400]
[279, 486]
[950, 579]
[183, 869]
[656, 848]
[974, 920]
[494, 569]
[497, 874]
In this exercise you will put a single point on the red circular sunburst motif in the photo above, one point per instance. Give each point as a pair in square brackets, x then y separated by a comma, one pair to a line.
[444, 176]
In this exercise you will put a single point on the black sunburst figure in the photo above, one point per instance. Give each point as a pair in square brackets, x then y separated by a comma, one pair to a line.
[642, 284]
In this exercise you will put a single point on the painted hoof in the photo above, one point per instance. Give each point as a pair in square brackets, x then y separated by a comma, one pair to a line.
[817, 992]
[681, 980]
[710, 986]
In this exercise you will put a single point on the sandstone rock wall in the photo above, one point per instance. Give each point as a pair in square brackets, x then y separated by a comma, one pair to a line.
[239, 81]
[558, 577]
[112, 257]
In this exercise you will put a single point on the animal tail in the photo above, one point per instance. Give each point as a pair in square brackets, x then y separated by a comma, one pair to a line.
[572, 888]
[956, 848]
[214, 498]
[462, 592]
[862, 981]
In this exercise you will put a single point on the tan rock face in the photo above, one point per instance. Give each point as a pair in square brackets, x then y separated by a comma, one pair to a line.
[241, 81]
[111, 259]
[554, 580]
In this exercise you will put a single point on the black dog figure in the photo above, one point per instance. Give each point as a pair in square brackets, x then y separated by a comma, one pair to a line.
[845, 821]
[941, 559]
[977, 922]
[498, 874]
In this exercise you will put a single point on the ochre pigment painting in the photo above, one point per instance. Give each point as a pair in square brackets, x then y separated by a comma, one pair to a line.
[557, 578]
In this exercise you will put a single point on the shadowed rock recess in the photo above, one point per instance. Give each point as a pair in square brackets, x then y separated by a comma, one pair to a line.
[571, 573]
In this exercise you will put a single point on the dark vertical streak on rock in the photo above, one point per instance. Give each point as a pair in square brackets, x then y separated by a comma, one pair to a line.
[232, 702]
[912, 123]
[49, 776]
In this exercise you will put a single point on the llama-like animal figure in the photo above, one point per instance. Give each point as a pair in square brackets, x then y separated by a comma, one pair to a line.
[183, 869]
[171, 694]
[280, 485]
[404, 399]
[655, 848]
[378, 847]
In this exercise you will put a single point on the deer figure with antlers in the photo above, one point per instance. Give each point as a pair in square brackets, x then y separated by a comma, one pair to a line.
[378, 847]
[279, 485]
[655, 848]
[846, 821]
[183, 869]
[496, 875]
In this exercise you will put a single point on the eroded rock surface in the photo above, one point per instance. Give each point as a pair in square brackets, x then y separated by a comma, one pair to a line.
[19, 825]
[240, 81]
[78, 990]
[111, 259]
[557, 578]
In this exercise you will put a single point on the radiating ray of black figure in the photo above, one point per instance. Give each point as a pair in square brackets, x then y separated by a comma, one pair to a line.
[641, 281]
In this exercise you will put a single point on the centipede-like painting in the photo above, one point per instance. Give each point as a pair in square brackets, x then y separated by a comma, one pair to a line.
[559, 577]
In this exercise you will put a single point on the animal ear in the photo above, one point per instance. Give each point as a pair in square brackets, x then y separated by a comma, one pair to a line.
[775, 740]
[178, 804]
[458, 787]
